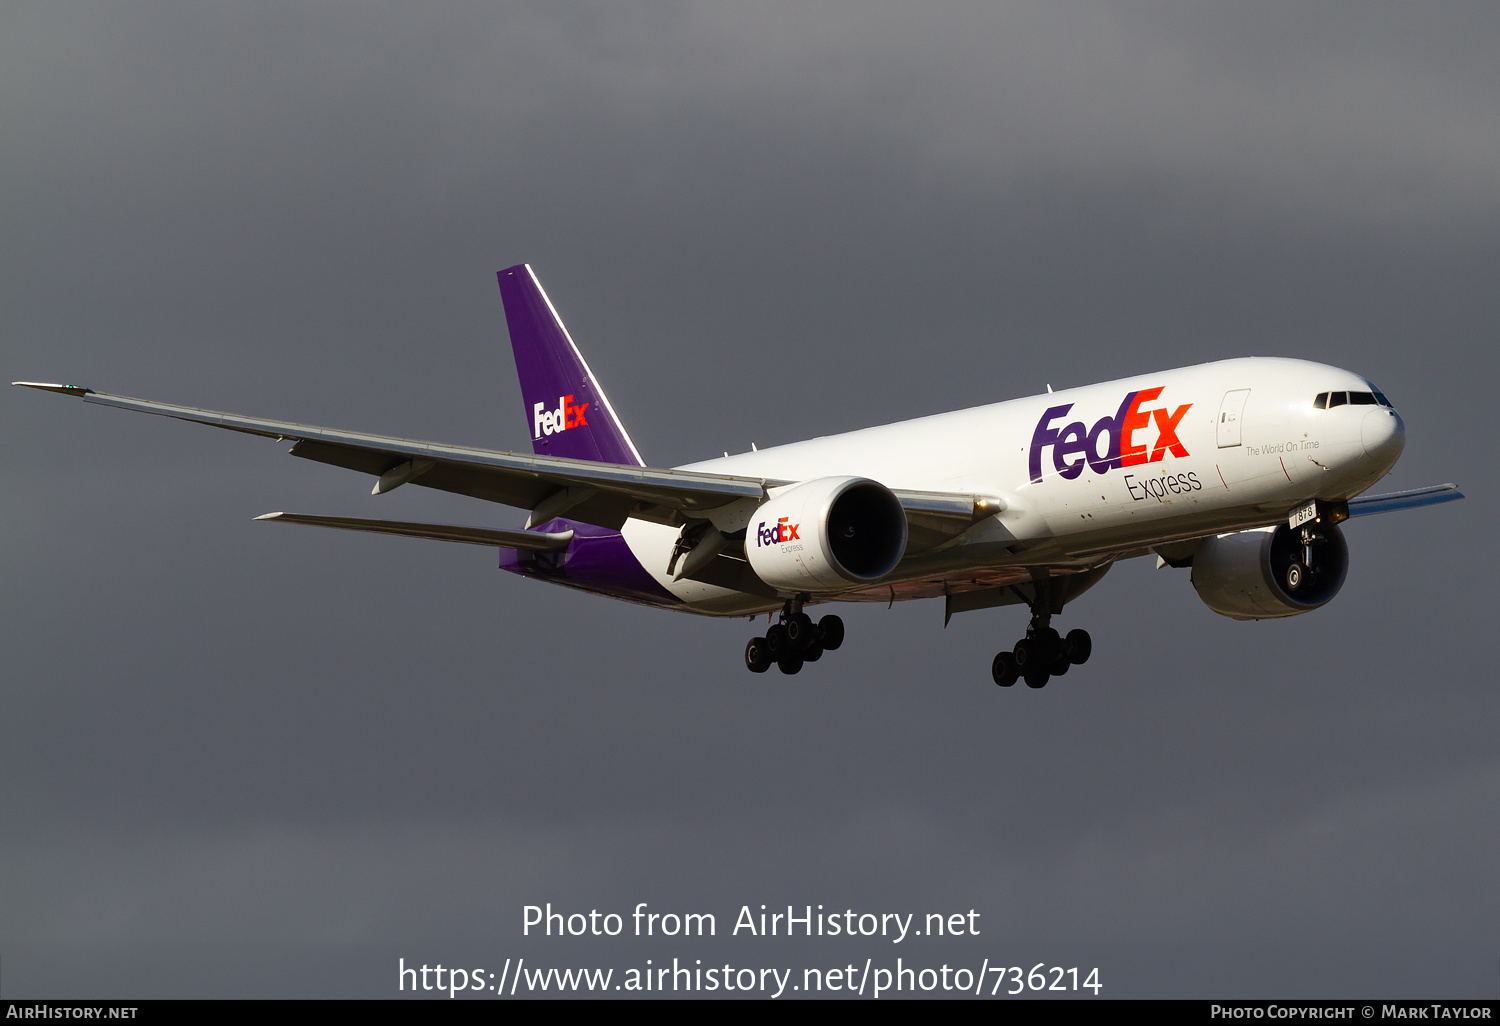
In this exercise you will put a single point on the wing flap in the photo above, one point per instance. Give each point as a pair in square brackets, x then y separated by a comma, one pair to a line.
[733, 574]
[521, 490]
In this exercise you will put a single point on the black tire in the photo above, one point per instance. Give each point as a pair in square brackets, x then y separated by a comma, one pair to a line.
[812, 653]
[1079, 645]
[1050, 643]
[757, 656]
[1003, 669]
[790, 663]
[831, 627]
[1036, 678]
[799, 631]
[1059, 666]
[1027, 655]
[1296, 576]
[776, 642]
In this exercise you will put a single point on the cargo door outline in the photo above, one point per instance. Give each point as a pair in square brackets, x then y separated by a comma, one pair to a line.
[1231, 413]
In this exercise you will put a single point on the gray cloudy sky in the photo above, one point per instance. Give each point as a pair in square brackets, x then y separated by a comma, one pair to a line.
[238, 759]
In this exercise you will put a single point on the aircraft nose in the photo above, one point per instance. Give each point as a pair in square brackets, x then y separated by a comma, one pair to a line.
[1383, 435]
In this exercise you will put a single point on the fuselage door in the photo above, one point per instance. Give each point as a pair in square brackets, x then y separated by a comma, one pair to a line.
[1231, 411]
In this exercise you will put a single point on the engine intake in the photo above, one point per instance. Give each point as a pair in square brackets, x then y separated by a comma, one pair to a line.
[1245, 575]
[827, 535]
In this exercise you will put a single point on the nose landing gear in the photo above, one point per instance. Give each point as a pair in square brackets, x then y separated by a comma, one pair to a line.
[1298, 573]
[795, 640]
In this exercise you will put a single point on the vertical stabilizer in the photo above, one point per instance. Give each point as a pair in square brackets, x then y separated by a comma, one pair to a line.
[567, 412]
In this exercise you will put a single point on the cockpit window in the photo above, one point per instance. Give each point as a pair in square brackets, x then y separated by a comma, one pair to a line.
[1328, 400]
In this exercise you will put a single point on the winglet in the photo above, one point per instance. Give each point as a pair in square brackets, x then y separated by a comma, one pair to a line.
[64, 389]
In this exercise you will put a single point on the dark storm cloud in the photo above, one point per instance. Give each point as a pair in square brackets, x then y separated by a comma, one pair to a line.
[235, 743]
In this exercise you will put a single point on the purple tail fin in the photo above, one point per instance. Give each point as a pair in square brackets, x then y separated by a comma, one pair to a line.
[566, 410]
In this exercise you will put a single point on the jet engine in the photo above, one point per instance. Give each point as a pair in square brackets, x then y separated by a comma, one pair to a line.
[827, 535]
[1271, 572]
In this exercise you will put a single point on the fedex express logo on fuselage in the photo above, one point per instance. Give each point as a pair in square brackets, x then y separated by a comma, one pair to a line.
[781, 531]
[1075, 446]
[549, 422]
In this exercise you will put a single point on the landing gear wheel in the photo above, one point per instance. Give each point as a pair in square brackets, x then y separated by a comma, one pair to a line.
[832, 629]
[812, 653]
[776, 642]
[1036, 678]
[790, 663]
[1050, 642]
[1059, 666]
[1028, 655]
[757, 656]
[1079, 646]
[1296, 576]
[799, 631]
[1003, 669]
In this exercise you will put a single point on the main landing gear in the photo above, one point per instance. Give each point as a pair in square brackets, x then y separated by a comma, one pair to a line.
[794, 640]
[1043, 653]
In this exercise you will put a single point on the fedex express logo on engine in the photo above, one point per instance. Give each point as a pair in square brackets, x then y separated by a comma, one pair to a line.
[782, 531]
[1118, 441]
[550, 422]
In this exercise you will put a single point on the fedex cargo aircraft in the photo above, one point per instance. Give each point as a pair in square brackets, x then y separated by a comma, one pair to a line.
[1241, 470]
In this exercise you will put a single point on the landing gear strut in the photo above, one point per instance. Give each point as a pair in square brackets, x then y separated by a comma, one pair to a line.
[1042, 653]
[794, 640]
[1298, 573]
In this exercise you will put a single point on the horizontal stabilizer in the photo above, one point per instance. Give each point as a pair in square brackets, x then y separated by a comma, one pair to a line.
[1410, 499]
[536, 541]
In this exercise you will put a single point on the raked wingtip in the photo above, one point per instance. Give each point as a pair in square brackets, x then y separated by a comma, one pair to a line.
[47, 387]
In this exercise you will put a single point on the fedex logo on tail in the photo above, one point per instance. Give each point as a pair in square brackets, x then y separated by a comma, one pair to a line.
[1117, 441]
[550, 422]
[782, 531]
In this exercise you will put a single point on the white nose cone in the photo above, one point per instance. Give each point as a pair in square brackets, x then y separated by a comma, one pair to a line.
[1383, 435]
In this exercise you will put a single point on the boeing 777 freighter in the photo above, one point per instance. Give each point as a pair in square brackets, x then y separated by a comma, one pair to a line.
[1242, 470]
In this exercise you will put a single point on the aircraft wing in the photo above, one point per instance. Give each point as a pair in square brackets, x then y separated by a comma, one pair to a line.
[604, 494]
[1409, 499]
[596, 493]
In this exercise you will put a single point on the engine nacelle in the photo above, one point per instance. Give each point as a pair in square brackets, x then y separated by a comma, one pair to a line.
[827, 535]
[1244, 575]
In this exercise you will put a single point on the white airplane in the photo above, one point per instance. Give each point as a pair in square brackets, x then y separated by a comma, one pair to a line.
[1241, 469]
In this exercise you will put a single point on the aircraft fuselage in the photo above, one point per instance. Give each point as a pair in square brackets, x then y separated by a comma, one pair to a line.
[1085, 475]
